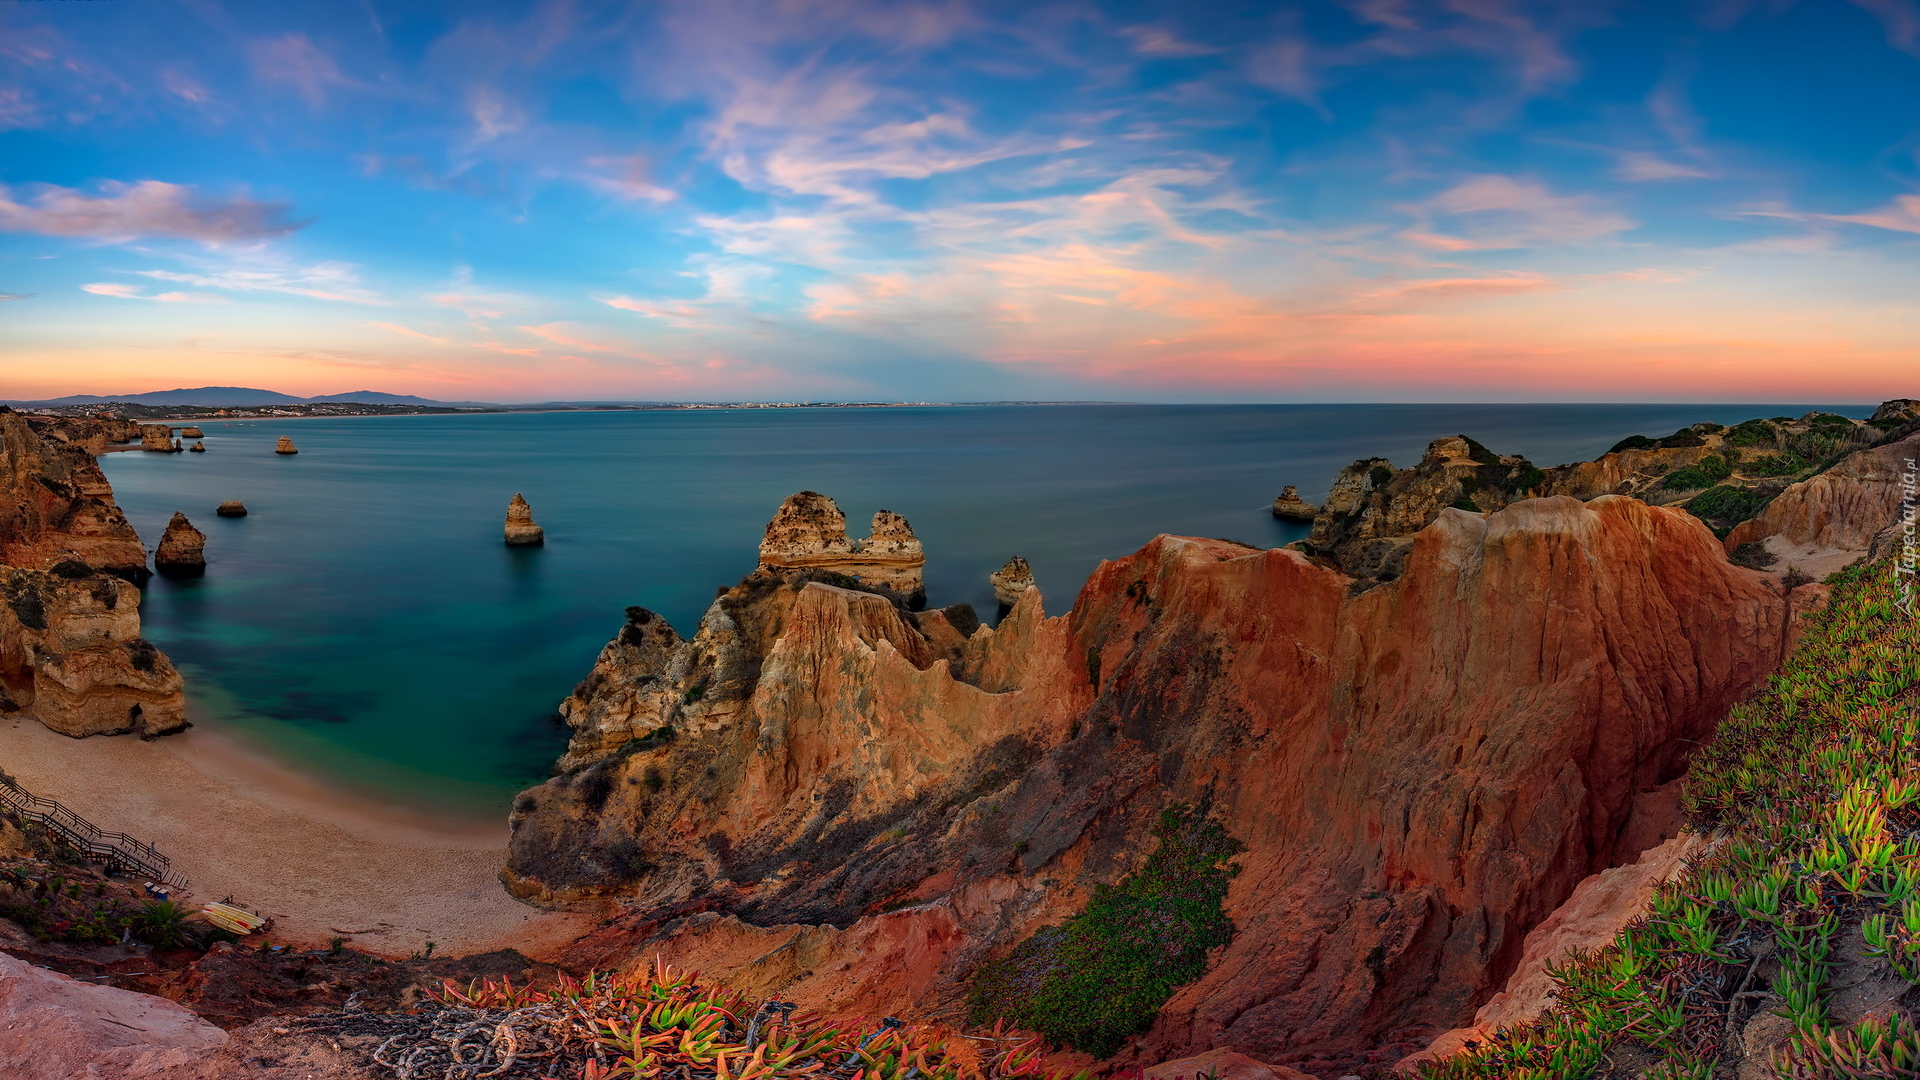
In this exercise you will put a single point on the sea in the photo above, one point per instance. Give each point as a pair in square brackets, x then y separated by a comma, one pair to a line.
[365, 623]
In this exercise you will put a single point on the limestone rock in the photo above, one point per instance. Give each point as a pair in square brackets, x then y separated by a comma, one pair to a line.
[182, 549]
[521, 531]
[1011, 581]
[815, 767]
[1895, 412]
[157, 438]
[232, 508]
[1291, 507]
[53, 1027]
[198, 448]
[55, 503]
[285, 446]
[192, 433]
[809, 532]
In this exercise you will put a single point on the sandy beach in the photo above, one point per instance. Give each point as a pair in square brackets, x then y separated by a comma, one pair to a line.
[323, 864]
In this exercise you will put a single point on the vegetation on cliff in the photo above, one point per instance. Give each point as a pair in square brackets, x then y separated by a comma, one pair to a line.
[656, 1023]
[1101, 976]
[1793, 947]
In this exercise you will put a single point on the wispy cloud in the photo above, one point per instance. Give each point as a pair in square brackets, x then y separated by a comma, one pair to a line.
[146, 208]
[15, 296]
[294, 61]
[1491, 212]
[133, 292]
[261, 273]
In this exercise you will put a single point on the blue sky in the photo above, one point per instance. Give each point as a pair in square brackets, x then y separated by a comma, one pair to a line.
[1370, 200]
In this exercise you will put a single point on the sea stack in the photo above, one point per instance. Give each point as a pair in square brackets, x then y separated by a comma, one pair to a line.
[192, 433]
[521, 531]
[182, 550]
[1011, 580]
[232, 508]
[809, 532]
[156, 438]
[285, 446]
[198, 448]
[1291, 507]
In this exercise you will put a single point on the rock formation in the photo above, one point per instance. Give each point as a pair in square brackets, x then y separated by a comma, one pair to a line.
[71, 654]
[232, 508]
[521, 531]
[1011, 581]
[192, 433]
[53, 1027]
[1597, 911]
[1291, 507]
[198, 448]
[182, 549]
[1722, 475]
[1828, 520]
[285, 446]
[810, 533]
[825, 795]
[157, 438]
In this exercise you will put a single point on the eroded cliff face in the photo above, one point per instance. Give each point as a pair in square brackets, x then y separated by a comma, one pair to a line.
[71, 654]
[822, 786]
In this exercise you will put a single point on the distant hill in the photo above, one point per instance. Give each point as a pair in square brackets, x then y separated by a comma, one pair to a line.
[226, 397]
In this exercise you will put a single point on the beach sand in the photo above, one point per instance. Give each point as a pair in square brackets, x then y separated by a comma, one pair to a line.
[322, 863]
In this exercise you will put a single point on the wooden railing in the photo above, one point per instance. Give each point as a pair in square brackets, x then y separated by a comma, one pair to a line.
[116, 849]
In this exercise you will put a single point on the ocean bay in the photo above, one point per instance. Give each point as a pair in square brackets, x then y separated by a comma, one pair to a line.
[366, 623]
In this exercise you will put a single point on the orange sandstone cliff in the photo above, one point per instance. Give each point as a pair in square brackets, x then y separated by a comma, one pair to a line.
[71, 654]
[824, 795]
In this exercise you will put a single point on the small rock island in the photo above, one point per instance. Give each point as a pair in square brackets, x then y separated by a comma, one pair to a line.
[232, 508]
[1011, 580]
[182, 550]
[521, 531]
[1291, 507]
[285, 446]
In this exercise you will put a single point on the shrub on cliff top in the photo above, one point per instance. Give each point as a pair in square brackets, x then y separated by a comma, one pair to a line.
[1727, 504]
[1101, 976]
[1633, 442]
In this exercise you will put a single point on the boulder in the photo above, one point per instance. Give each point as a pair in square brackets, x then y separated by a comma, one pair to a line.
[285, 446]
[182, 549]
[1011, 581]
[232, 508]
[521, 531]
[53, 1027]
[1221, 1065]
[1291, 507]
[198, 448]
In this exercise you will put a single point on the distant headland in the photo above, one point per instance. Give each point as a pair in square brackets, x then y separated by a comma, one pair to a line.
[243, 402]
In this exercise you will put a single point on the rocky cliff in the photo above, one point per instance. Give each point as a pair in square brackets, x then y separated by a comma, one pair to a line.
[71, 654]
[1722, 475]
[825, 795]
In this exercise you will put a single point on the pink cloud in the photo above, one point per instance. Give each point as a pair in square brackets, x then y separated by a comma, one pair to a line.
[147, 208]
[1902, 215]
[297, 62]
[1492, 212]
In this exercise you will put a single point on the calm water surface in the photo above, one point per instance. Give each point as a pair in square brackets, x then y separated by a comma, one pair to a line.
[366, 623]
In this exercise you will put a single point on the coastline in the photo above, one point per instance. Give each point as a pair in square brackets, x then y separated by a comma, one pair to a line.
[322, 862]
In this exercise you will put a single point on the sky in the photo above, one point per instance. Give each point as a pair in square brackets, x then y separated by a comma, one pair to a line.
[1368, 200]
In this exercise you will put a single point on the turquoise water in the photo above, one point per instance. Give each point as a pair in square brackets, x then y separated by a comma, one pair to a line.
[366, 623]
